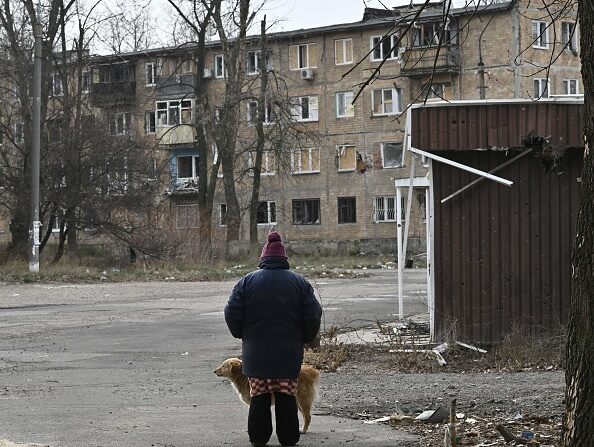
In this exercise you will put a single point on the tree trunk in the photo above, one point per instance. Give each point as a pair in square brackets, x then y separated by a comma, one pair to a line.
[254, 245]
[578, 427]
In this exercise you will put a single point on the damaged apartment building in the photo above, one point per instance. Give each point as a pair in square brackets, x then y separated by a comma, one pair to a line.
[336, 193]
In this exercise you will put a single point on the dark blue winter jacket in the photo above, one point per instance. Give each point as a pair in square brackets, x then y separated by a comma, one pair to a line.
[274, 311]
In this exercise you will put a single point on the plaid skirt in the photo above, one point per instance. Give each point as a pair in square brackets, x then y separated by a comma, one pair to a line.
[263, 386]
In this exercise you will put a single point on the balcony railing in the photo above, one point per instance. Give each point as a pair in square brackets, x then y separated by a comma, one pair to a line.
[113, 92]
[424, 60]
[173, 135]
[175, 86]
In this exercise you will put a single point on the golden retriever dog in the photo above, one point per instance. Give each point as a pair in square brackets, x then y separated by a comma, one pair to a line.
[307, 386]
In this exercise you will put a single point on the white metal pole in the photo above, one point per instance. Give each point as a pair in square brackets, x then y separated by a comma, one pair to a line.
[430, 252]
[400, 250]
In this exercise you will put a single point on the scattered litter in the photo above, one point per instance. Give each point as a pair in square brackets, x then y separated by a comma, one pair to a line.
[185, 353]
[433, 416]
[471, 421]
[400, 419]
[472, 348]
[375, 421]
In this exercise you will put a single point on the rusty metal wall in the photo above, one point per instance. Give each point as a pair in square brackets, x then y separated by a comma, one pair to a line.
[496, 125]
[502, 255]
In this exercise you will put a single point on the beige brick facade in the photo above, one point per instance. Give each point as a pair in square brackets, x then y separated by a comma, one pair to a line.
[510, 63]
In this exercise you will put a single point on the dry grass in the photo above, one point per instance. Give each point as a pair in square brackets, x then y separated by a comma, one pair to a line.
[331, 354]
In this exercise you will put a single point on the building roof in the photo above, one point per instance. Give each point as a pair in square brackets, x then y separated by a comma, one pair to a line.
[372, 18]
[496, 124]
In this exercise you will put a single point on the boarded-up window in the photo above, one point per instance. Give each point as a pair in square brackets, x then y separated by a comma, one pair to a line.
[347, 158]
[187, 216]
[343, 51]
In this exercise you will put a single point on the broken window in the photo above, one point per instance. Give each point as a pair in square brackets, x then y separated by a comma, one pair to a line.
[121, 123]
[174, 112]
[387, 101]
[266, 212]
[392, 154]
[344, 104]
[306, 212]
[268, 162]
[347, 210]
[222, 214]
[252, 112]
[219, 66]
[305, 108]
[303, 56]
[150, 121]
[347, 158]
[150, 73]
[187, 167]
[56, 88]
[252, 65]
[187, 216]
[343, 51]
[305, 161]
[383, 47]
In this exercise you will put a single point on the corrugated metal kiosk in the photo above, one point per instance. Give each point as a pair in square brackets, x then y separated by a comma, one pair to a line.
[502, 196]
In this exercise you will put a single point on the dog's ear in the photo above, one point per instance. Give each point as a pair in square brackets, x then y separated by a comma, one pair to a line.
[235, 365]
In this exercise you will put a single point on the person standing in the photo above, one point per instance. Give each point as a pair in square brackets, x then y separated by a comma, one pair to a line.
[274, 312]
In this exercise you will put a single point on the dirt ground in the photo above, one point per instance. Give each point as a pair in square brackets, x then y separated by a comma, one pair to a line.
[368, 386]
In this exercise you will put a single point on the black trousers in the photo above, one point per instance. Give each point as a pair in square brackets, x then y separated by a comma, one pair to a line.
[260, 419]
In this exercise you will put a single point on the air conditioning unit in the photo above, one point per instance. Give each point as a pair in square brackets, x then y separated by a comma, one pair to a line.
[307, 73]
[207, 73]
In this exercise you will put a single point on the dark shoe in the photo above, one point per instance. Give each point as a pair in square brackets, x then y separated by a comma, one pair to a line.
[288, 444]
[258, 444]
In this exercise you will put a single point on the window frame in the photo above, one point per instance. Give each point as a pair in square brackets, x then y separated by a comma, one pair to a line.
[540, 41]
[297, 108]
[256, 65]
[222, 214]
[379, 46]
[299, 61]
[56, 85]
[270, 212]
[340, 210]
[268, 163]
[296, 168]
[541, 92]
[396, 101]
[150, 122]
[126, 123]
[195, 174]
[567, 86]
[348, 104]
[217, 66]
[385, 209]
[343, 47]
[189, 105]
[383, 146]
[339, 149]
[150, 74]
[252, 115]
[569, 36]
[304, 204]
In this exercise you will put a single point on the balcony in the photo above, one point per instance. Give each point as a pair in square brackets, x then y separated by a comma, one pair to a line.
[175, 86]
[113, 92]
[176, 135]
[420, 61]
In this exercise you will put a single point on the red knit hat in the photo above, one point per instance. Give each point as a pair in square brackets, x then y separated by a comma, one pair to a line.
[274, 247]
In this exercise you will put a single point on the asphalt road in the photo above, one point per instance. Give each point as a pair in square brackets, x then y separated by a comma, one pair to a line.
[130, 364]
